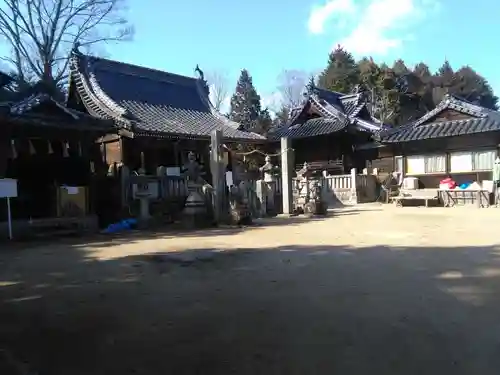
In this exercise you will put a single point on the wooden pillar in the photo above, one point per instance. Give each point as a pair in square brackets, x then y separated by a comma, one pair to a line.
[286, 175]
[216, 167]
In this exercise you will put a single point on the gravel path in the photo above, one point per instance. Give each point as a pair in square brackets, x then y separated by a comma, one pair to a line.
[369, 290]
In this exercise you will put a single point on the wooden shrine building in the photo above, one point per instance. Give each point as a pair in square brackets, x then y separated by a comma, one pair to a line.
[457, 138]
[50, 150]
[160, 116]
[326, 128]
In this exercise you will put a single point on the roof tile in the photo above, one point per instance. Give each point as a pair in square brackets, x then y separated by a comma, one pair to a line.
[153, 101]
[481, 120]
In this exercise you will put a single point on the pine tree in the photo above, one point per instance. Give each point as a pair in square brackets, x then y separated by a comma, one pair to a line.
[245, 103]
[341, 73]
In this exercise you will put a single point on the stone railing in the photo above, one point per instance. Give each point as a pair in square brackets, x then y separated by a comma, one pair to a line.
[349, 189]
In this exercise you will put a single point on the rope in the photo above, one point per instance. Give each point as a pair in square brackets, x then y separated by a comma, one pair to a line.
[256, 152]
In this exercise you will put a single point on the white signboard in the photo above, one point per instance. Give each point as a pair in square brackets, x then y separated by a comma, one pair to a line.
[148, 190]
[173, 171]
[229, 179]
[8, 188]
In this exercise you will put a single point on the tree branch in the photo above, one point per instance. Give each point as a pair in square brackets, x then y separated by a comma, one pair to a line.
[41, 33]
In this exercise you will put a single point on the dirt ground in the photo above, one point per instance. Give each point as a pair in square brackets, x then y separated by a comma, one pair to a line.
[368, 290]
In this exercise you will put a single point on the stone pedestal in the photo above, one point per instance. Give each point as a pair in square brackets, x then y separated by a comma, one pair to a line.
[239, 210]
[265, 193]
[144, 209]
[271, 190]
[195, 214]
[308, 198]
[260, 191]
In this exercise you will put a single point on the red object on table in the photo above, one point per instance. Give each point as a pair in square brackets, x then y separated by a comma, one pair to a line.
[449, 182]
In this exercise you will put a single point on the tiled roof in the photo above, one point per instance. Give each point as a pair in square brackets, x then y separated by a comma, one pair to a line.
[337, 110]
[5, 79]
[25, 109]
[313, 127]
[150, 102]
[481, 120]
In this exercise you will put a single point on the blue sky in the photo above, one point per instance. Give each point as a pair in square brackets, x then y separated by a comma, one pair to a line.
[266, 37]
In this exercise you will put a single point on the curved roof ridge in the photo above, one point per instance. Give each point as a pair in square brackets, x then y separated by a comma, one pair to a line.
[89, 98]
[96, 87]
[335, 113]
[454, 102]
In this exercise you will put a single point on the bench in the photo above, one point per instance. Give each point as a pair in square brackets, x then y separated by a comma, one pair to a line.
[425, 195]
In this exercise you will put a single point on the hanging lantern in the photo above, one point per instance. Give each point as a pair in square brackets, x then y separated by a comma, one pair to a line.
[31, 147]
[65, 149]
[13, 149]
[50, 150]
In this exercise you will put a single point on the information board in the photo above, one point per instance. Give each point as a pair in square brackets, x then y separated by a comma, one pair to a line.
[8, 188]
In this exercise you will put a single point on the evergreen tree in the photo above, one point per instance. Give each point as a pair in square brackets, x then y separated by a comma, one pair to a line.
[264, 122]
[422, 87]
[311, 85]
[341, 73]
[443, 80]
[469, 85]
[423, 72]
[245, 103]
[399, 68]
[370, 77]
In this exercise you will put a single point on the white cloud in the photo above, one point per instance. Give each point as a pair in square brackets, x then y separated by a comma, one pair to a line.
[372, 35]
[379, 25]
[321, 14]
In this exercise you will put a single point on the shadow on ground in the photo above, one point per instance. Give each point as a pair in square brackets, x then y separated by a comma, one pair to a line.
[283, 310]
[169, 231]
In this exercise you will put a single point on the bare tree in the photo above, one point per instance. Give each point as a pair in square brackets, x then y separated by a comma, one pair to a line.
[291, 86]
[41, 33]
[219, 87]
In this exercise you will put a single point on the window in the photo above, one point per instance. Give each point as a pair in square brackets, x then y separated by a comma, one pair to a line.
[426, 164]
[398, 167]
[472, 161]
[461, 162]
[483, 160]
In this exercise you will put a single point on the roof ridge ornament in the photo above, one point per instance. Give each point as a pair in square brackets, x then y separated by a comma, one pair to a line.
[201, 76]
[76, 47]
